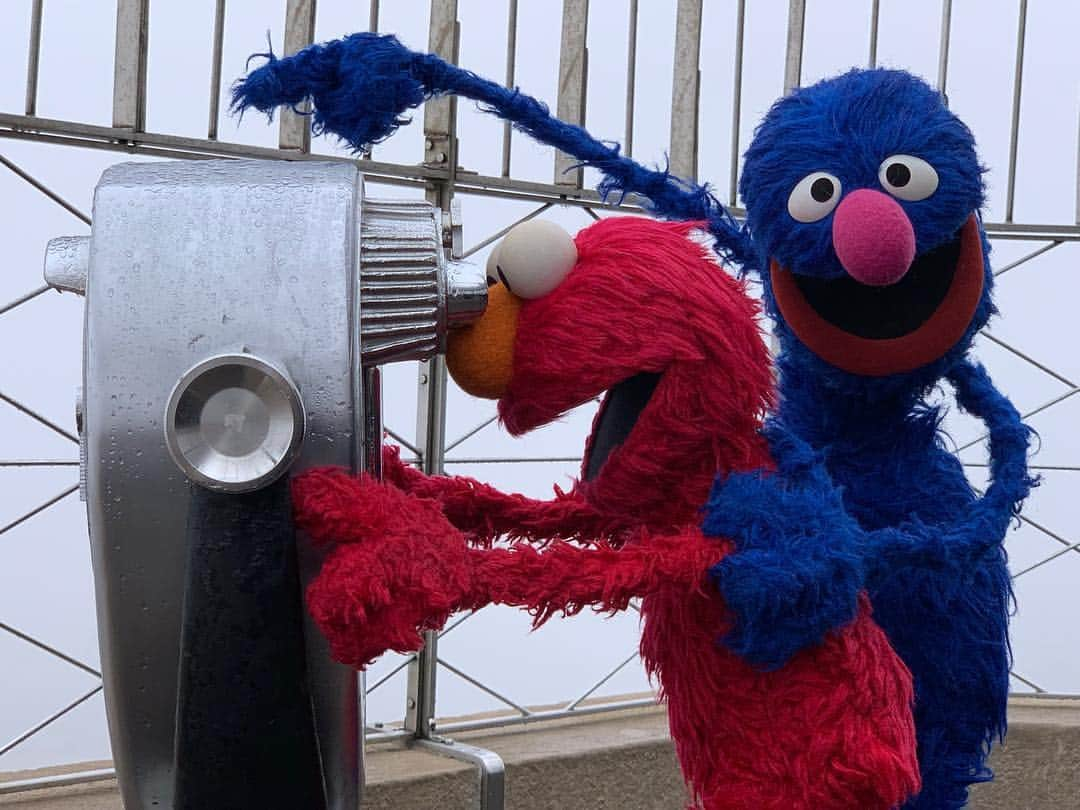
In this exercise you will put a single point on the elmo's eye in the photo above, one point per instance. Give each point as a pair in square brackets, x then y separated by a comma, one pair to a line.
[908, 177]
[815, 196]
[533, 259]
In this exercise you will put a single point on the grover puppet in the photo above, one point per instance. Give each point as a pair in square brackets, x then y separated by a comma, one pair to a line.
[862, 195]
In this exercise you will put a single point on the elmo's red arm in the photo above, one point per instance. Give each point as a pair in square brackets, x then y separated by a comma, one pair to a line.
[483, 513]
[399, 567]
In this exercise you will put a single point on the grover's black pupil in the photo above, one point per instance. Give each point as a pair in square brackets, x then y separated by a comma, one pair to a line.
[898, 175]
[822, 189]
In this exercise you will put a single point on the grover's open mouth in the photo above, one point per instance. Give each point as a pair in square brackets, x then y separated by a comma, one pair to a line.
[891, 329]
[617, 416]
[889, 311]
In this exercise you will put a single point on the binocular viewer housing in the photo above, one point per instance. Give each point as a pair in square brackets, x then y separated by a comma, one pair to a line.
[235, 313]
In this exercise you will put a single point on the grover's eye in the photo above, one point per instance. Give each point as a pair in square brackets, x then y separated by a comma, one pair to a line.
[814, 197]
[908, 177]
[533, 259]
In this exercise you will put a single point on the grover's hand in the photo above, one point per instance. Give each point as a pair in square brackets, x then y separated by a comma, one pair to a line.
[796, 571]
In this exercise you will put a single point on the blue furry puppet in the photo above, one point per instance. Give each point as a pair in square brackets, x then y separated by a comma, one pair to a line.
[862, 201]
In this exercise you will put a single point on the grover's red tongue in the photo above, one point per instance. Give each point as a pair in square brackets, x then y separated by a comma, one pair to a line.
[873, 237]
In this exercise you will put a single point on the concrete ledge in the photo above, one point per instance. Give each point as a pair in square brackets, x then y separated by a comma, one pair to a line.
[625, 760]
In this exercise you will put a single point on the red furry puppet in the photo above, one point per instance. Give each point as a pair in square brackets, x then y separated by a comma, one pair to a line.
[640, 310]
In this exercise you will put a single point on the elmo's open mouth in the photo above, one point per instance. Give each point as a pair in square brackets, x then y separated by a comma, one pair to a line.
[891, 329]
[619, 412]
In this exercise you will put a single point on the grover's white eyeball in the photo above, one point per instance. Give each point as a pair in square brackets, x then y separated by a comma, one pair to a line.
[533, 258]
[814, 197]
[908, 177]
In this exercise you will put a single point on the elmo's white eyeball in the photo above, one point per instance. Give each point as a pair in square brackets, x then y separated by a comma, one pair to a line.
[533, 259]
[492, 265]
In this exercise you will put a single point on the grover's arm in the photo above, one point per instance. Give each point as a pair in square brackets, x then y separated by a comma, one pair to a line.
[797, 568]
[362, 84]
[984, 525]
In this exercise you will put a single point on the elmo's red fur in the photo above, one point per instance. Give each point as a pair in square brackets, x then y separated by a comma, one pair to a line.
[832, 730]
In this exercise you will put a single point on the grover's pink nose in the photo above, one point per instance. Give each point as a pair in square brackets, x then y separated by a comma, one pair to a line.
[873, 237]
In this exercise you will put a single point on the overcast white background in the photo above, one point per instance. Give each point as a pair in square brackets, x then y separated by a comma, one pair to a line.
[46, 586]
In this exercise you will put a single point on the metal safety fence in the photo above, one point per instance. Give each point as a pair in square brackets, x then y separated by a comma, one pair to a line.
[698, 31]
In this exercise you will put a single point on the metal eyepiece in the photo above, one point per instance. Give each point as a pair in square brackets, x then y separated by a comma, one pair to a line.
[410, 295]
[234, 423]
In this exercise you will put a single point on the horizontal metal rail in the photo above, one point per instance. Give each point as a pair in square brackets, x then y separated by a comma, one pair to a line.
[465, 182]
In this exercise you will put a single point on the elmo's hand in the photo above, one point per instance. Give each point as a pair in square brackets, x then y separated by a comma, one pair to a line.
[398, 567]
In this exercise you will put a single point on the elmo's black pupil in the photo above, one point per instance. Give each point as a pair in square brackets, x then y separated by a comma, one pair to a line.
[822, 189]
[898, 175]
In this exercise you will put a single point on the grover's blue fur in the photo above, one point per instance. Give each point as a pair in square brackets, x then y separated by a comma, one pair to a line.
[786, 587]
[865, 494]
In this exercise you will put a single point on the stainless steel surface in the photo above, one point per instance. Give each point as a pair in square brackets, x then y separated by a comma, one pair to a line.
[60, 780]
[466, 293]
[490, 768]
[22, 299]
[401, 284]
[631, 79]
[295, 127]
[244, 254]
[511, 61]
[943, 47]
[129, 64]
[44, 189]
[686, 89]
[215, 69]
[439, 112]
[794, 50]
[736, 104]
[67, 261]
[573, 75]
[237, 352]
[1014, 127]
[33, 55]
[234, 423]
[431, 435]
[875, 17]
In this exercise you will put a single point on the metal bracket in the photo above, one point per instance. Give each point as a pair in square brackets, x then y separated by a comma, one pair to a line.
[492, 791]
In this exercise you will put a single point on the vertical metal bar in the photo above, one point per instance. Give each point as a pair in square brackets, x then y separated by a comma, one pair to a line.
[571, 102]
[373, 27]
[215, 69]
[736, 103]
[431, 438]
[437, 111]
[129, 68]
[491, 793]
[943, 47]
[439, 134]
[686, 80]
[1014, 133]
[32, 57]
[511, 61]
[875, 15]
[631, 78]
[295, 129]
[793, 58]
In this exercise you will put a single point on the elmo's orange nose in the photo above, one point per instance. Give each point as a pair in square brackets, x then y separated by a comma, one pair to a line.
[480, 357]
